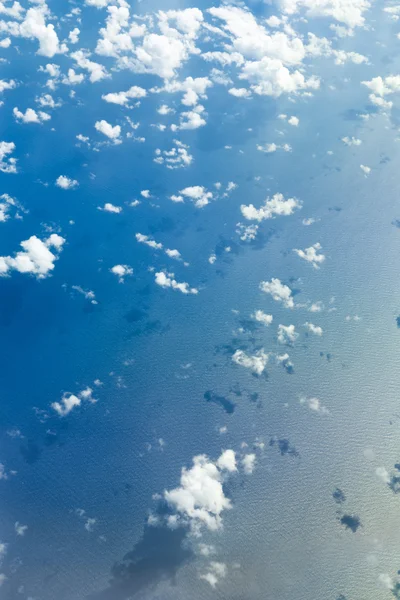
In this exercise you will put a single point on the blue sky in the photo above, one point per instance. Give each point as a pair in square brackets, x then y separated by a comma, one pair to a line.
[199, 299]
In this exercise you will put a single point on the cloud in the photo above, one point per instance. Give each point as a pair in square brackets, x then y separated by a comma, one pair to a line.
[122, 98]
[7, 203]
[365, 170]
[271, 148]
[177, 157]
[145, 239]
[256, 362]
[113, 133]
[311, 255]
[279, 291]
[96, 70]
[7, 85]
[108, 207]
[315, 329]
[70, 401]
[121, 271]
[198, 193]
[66, 183]
[34, 27]
[381, 87]
[351, 141]
[314, 404]
[262, 317]
[272, 207]
[20, 529]
[35, 258]
[287, 334]
[248, 462]
[350, 13]
[30, 116]
[199, 501]
[166, 280]
[7, 164]
[215, 572]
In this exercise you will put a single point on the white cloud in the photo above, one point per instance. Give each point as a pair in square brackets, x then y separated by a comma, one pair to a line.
[227, 461]
[167, 280]
[96, 70]
[20, 529]
[248, 463]
[108, 207]
[381, 87]
[294, 121]
[177, 157]
[275, 206]
[122, 98]
[197, 193]
[256, 362]
[240, 92]
[314, 404]
[35, 257]
[34, 27]
[349, 12]
[121, 271]
[70, 401]
[7, 203]
[191, 119]
[30, 116]
[73, 78]
[7, 85]
[315, 329]
[113, 133]
[73, 35]
[145, 239]
[351, 141]
[279, 291]
[7, 164]
[262, 317]
[199, 501]
[366, 170]
[386, 581]
[215, 572]
[66, 183]
[311, 255]
[287, 334]
[383, 474]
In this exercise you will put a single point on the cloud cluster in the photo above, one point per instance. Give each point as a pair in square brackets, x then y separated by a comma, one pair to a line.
[35, 258]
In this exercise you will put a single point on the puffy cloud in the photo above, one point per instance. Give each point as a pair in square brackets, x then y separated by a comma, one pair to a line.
[314, 404]
[386, 581]
[70, 401]
[287, 334]
[145, 239]
[366, 170]
[7, 85]
[199, 501]
[383, 474]
[113, 133]
[349, 12]
[315, 329]
[30, 116]
[191, 119]
[197, 193]
[66, 183]
[34, 27]
[275, 206]
[48, 101]
[215, 572]
[270, 148]
[248, 462]
[279, 292]
[381, 87]
[73, 35]
[351, 141]
[122, 98]
[7, 203]
[20, 529]
[247, 233]
[121, 271]
[108, 207]
[166, 280]
[7, 164]
[96, 70]
[256, 362]
[311, 255]
[262, 317]
[176, 158]
[227, 461]
[35, 257]
[73, 78]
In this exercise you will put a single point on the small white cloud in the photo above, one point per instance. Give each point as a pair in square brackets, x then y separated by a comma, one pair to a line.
[20, 529]
[177, 157]
[366, 170]
[262, 317]
[256, 362]
[287, 334]
[311, 255]
[123, 98]
[197, 193]
[113, 133]
[279, 291]
[108, 207]
[30, 116]
[121, 271]
[315, 329]
[35, 257]
[66, 183]
[314, 404]
[272, 207]
[167, 280]
[248, 463]
[351, 141]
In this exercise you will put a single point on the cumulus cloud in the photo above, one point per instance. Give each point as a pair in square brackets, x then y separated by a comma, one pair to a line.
[35, 257]
[215, 572]
[315, 329]
[381, 87]
[70, 401]
[113, 133]
[108, 207]
[351, 141]
[272, 207]
[177, 157]
[314, 404]
[9, 205]
[96, 71]
[262, 317]
[256, 362]
[350, 13]
[311, 255]
[30, 116]
[287, 334]
[123, 98]
[121, 271]
[7, 164]
[199, 501]
[167, 280]
[279, 292]
[248, 462]
[66, 183]
[197, 193]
